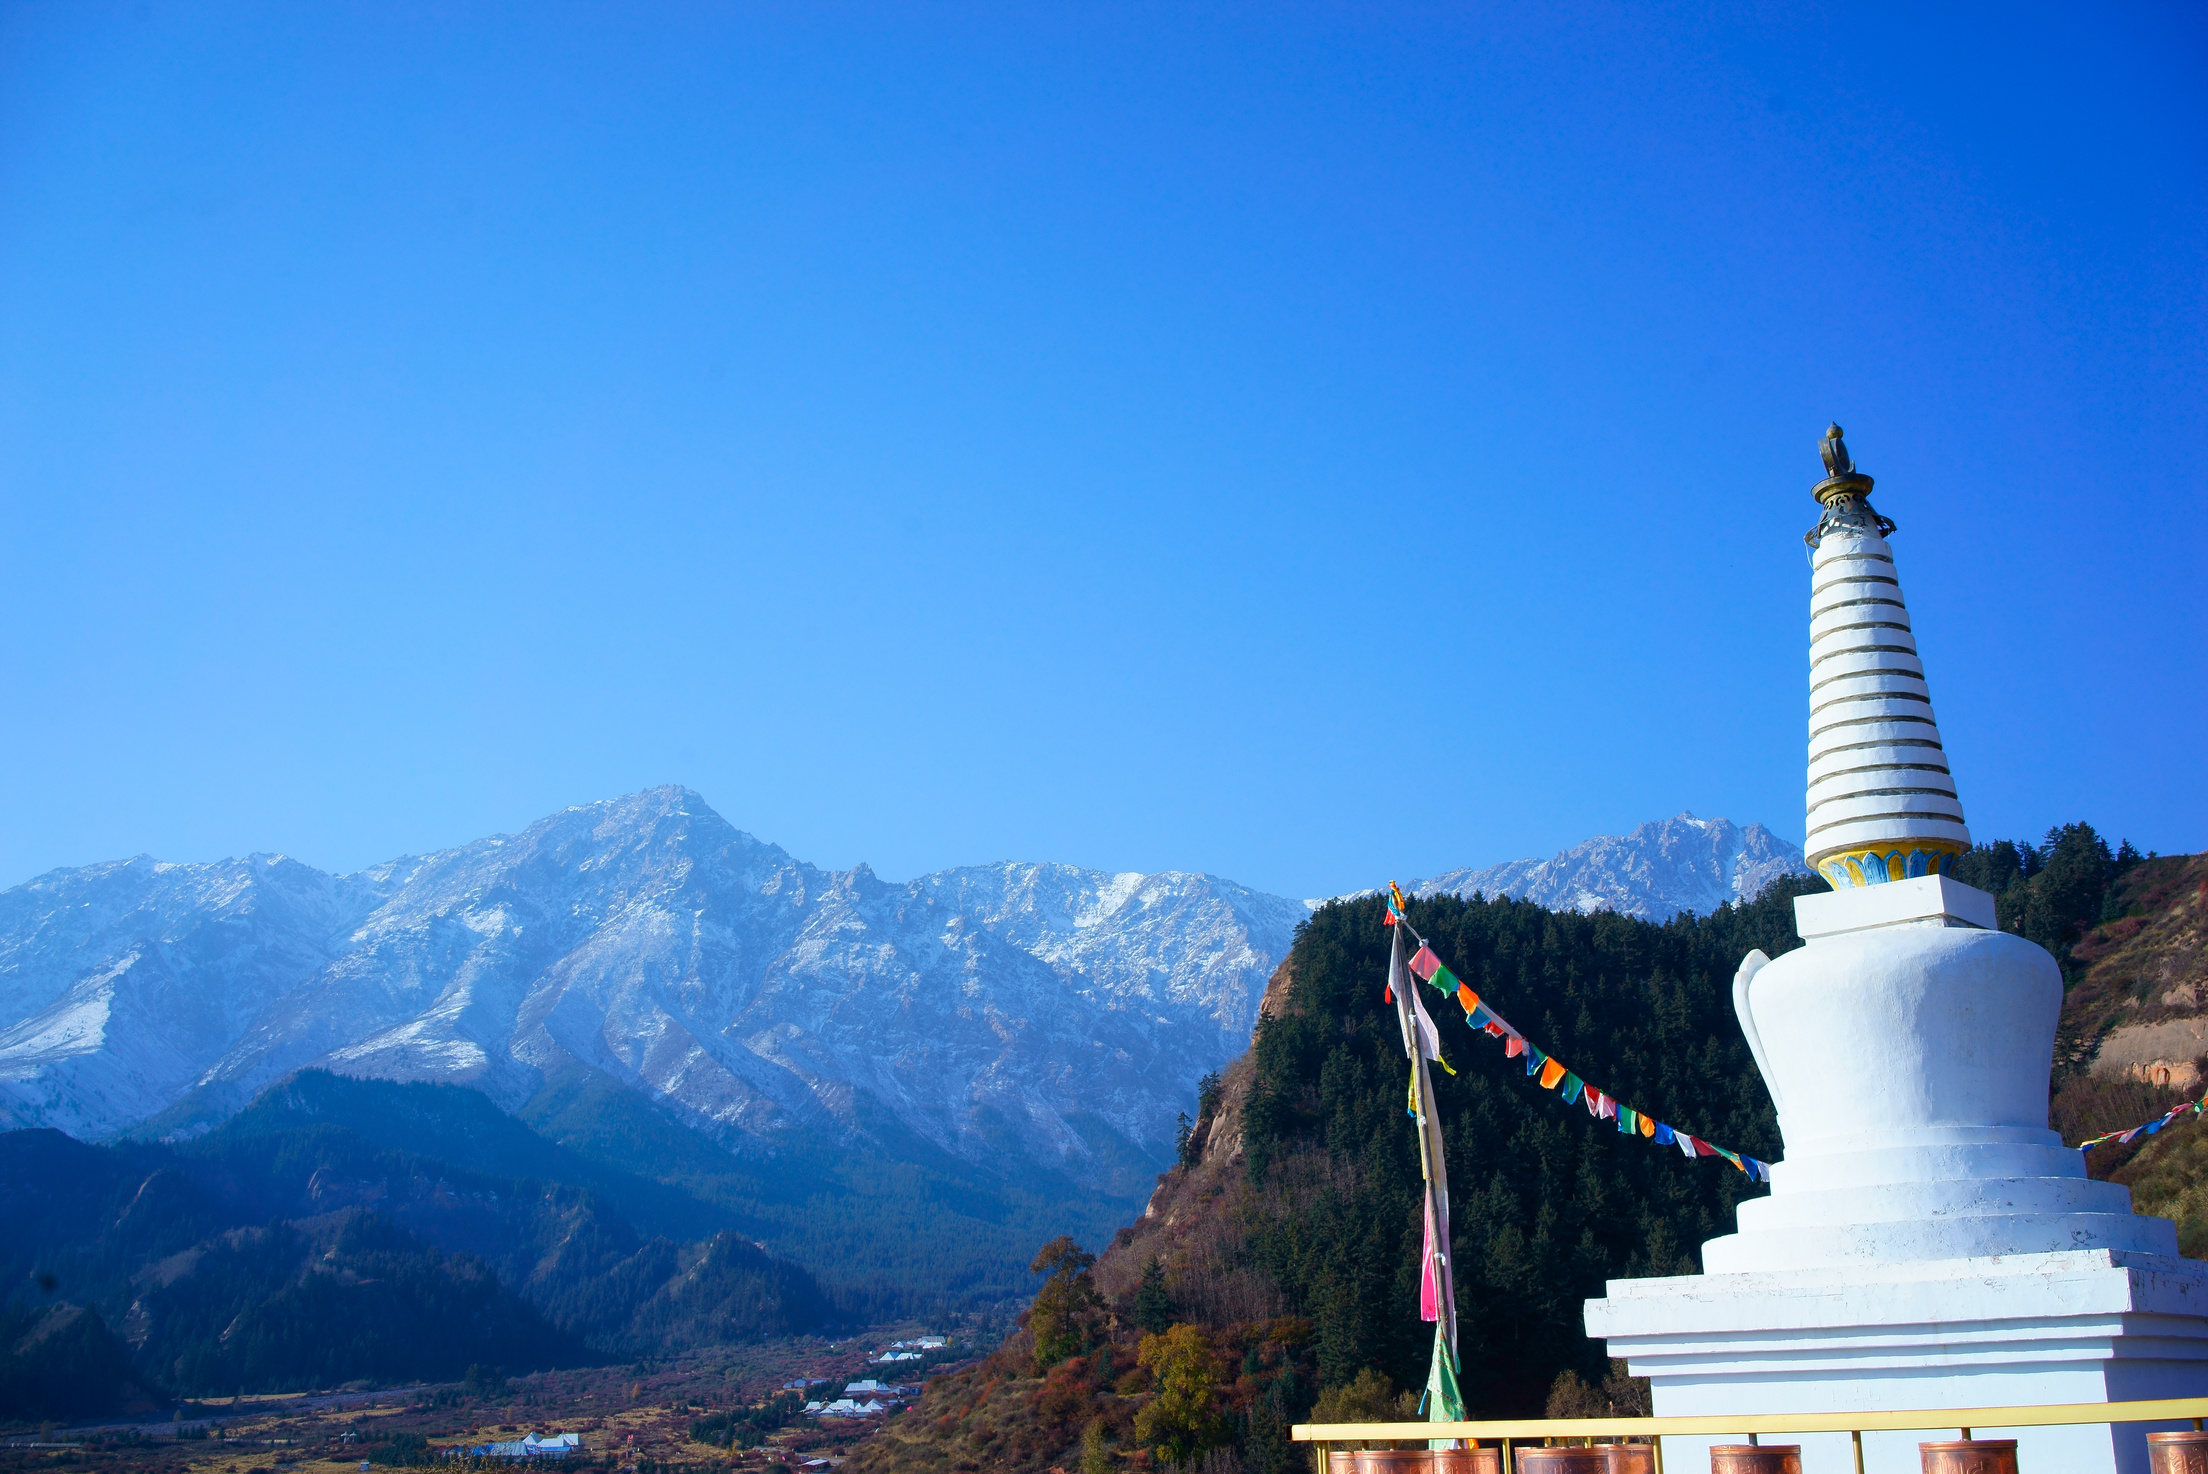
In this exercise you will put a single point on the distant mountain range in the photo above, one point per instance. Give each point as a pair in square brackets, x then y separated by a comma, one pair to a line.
[1042, 1011]
[1661, 869]
[1061, 1014]
[641, 981]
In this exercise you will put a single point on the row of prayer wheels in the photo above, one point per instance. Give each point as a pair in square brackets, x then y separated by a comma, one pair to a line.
[2167, 1453]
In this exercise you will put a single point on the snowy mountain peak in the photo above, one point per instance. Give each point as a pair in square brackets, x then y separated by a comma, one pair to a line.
[1662, 868]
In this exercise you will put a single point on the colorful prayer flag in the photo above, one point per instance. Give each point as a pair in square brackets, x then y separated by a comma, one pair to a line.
[1429, 1269]
[1444, 1403]
[1600, 1105]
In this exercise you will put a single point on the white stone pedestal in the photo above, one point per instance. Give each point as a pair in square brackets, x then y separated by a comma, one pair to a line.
[2077, 1326]
[1927, 1241]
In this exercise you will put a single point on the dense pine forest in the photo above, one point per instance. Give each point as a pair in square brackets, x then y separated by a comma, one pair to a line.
[1548, 1202]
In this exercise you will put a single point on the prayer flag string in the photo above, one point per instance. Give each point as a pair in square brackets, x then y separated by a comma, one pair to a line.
[2167, 1118]
[1600, 1104]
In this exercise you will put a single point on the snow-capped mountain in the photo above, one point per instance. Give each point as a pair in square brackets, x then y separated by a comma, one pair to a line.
[1659, 870]
[1040, 1010]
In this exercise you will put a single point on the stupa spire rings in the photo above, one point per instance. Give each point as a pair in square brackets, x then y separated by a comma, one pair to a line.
[1881, 801]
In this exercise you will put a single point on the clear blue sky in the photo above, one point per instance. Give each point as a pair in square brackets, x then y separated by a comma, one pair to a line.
[1307, 444]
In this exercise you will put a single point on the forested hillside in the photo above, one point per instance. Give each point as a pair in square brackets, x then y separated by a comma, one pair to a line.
[1282, 1252]
[1275, 1267]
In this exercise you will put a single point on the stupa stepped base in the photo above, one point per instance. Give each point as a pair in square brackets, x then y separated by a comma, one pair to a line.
[1926, 1154]
[1958, 1219]
[2096, 1325]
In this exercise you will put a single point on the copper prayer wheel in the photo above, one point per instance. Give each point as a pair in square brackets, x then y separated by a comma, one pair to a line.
[1564, 1460]
[1755, 1458]
[1468, 1460]
[1628, 1458]
[1394, 1460]
[2177, 1453]
[1341, 1461]
[1969, 1456]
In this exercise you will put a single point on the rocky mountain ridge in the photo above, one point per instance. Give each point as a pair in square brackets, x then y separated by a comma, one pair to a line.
[1662, 868]
[1042, 1011]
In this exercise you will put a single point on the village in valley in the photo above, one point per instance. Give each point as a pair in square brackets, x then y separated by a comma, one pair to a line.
[798, 1403]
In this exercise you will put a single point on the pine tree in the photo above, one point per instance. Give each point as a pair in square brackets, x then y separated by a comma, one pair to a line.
[1153, 1307]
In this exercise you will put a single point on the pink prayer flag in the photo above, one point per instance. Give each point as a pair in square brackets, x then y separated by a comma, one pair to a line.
[1429, 1271]
[1514, 1048]
[1425, 962]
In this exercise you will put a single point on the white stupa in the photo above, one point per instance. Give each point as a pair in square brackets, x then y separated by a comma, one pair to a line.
[1927, 1241]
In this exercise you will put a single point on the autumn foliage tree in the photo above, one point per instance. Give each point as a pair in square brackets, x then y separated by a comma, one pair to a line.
[1182, 1419]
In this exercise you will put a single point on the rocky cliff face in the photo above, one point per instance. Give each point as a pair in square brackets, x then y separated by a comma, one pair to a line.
[1041, 1010]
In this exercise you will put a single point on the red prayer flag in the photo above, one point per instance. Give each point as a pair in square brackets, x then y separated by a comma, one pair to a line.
[1425, 962]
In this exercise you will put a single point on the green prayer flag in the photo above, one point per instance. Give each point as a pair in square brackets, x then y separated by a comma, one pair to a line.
[1444, 1403]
